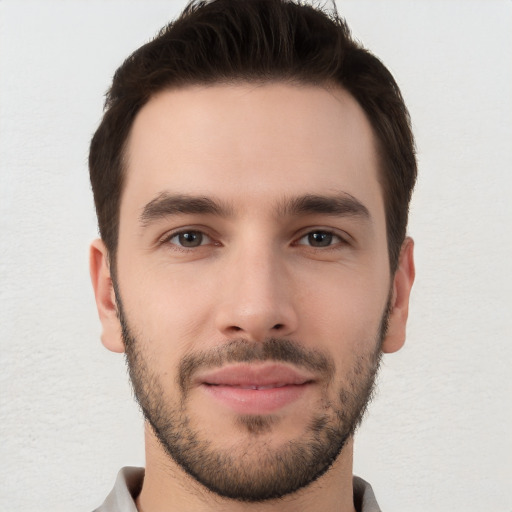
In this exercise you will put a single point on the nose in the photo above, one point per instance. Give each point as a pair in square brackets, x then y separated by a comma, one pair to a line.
[256, 300]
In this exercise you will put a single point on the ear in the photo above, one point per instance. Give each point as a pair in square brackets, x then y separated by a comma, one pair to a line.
[402, 284]
[99, 268]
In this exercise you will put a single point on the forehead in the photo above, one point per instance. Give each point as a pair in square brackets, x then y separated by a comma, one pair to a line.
[243, 142]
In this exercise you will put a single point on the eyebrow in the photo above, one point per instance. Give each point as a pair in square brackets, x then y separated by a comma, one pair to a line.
[166, 204]
[339, 205]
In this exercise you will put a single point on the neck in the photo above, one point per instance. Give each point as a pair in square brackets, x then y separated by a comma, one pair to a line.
[167, 487]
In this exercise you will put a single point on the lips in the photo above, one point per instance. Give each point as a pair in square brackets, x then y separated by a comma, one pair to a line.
[255, 389]
[249, 375]
[257, 386]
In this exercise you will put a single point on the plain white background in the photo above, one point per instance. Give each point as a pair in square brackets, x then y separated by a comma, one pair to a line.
[438, 436]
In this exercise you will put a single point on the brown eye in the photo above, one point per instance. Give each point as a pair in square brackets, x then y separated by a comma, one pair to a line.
[189, 239]
[320, 239]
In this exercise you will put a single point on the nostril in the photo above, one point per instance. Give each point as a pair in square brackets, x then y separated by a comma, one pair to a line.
[277, 327]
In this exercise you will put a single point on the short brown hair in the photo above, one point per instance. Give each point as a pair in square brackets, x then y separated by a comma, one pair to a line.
[223, 41]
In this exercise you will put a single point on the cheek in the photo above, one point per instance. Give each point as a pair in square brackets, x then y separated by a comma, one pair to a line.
[169, 305]
[345, 313]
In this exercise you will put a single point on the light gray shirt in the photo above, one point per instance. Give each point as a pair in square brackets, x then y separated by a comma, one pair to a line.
[129, 483]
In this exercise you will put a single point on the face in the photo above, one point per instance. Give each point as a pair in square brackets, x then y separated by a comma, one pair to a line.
[252, 280]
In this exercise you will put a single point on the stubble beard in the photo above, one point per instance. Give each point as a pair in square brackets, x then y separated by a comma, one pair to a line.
[252, 470]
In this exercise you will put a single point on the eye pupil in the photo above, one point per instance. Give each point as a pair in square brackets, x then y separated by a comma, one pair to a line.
[190, 239]
[320, 239]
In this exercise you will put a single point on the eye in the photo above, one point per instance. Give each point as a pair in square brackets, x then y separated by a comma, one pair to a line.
[320, 238]
[189, 239]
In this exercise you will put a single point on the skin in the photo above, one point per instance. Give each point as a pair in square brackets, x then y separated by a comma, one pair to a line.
[252, 148]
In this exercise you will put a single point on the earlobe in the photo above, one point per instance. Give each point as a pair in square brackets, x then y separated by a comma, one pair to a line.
[99, 268]
[399, 309]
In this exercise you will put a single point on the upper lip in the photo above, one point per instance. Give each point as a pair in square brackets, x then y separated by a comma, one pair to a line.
[254, 375]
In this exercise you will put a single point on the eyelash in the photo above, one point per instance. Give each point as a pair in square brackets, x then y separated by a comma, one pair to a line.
[341, 241]
[167, 239]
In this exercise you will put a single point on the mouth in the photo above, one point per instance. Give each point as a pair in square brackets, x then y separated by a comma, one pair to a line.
[255, 388]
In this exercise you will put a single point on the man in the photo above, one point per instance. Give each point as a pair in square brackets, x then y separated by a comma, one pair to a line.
[252, 175]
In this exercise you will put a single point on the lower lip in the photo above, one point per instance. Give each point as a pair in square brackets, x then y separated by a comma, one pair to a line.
[256, 401]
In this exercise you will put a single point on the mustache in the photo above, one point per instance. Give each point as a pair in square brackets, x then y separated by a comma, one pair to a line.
[244, 351]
